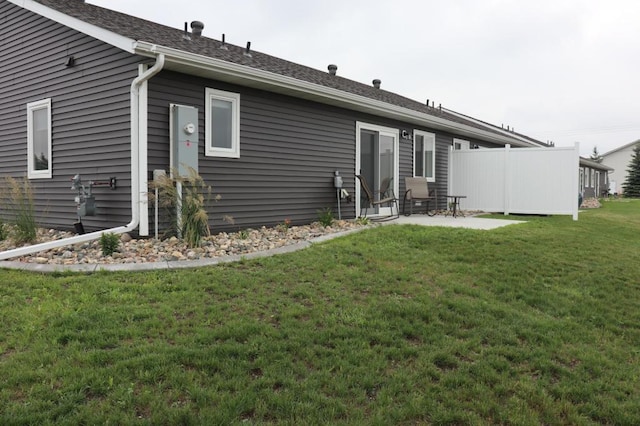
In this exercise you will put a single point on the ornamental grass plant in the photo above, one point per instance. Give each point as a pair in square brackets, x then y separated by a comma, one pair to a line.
[184, 200]
[18, 202]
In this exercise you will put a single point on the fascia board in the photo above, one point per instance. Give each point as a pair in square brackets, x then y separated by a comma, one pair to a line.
[217, 67]
[506, 132]
[620, 148]
[109, 37]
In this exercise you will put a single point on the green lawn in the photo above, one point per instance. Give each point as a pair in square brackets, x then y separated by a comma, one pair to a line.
[529, 324]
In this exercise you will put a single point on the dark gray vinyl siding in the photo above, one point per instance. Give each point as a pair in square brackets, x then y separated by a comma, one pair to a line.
[289, 150]
[90, 114]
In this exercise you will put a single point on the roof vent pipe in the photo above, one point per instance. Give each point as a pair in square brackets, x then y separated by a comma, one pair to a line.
[196, 28]
[332, 69]
[376, 83]
[186, 35]
[247, 51]
[224, 43]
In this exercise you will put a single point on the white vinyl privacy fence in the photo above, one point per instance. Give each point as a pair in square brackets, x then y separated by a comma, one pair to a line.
[516, 180]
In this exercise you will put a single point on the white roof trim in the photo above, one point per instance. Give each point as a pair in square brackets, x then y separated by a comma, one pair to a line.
[220, 67]
[107, 36]
[506, 132]
[620, 148]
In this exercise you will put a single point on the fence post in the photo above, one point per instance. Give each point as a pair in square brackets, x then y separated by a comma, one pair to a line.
[576, 180]
[507, 180]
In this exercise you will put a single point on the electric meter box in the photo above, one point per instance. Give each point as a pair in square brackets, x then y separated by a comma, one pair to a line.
[184, 138]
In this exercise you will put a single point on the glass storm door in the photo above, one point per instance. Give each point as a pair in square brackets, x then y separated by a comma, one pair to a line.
[378, 165]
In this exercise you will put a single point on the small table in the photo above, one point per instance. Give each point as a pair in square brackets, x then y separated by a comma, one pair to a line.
[455, 200]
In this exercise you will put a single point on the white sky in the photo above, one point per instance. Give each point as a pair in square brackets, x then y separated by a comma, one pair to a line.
[561, 70]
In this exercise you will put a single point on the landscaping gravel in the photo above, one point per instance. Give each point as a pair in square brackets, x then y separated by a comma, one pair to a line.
[133, 250]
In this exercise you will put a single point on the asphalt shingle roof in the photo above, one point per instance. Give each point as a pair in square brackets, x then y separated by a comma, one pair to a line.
[142, 30]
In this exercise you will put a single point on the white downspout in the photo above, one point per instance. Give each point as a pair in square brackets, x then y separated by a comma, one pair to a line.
[135, 178]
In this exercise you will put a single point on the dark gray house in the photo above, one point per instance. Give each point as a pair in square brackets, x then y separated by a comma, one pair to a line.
[594, 178]
[90, 91]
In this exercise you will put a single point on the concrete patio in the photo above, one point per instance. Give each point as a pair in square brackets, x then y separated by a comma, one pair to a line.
[470, 222]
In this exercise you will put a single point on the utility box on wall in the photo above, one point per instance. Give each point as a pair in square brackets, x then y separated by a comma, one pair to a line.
[184, 138]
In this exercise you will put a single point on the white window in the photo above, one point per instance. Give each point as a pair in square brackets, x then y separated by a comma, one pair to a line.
[222, 124]
[424, 155]
[460, 144]
[39, 139]
[581, 179]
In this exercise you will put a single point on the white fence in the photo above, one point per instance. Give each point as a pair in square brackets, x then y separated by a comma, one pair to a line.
[516, 180]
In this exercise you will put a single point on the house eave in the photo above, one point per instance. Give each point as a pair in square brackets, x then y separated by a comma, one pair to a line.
[585, 162]
[209, 67]
[109, 37]
[205, 66]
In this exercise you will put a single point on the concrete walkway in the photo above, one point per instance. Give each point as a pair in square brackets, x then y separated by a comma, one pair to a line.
[470, 222]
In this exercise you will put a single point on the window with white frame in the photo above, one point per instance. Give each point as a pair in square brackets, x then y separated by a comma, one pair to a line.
[581, 179]
[222, 124]
[424, 155]
[460, 144]
[39, 139]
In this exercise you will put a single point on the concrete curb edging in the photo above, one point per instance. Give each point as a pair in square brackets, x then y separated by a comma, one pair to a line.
[469, 223]
[170, 264]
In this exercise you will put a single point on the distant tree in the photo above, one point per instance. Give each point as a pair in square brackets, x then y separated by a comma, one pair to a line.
[631, 185]
[595, 155]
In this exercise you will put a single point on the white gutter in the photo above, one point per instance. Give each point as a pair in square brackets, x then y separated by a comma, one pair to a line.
[136, 159]
[527, 142]
[241, 74]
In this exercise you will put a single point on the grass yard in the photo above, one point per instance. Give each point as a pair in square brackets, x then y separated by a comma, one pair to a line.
[528, 324]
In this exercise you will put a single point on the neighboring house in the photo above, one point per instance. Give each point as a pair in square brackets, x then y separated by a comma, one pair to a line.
[90, 91]
[594, 178]
[619, 159]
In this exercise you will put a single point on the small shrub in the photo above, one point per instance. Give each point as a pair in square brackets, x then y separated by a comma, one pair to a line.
[19, 202]
[363, 220]
[109, 243]
[4, 233]
[325, 217]
[243, 234]
[284, 226]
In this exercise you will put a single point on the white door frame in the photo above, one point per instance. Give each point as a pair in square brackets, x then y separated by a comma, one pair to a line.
[385, 131]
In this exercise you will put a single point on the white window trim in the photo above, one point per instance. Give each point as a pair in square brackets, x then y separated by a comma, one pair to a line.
[234, 98]
[425, 136]
[32, 173]
[464, 144]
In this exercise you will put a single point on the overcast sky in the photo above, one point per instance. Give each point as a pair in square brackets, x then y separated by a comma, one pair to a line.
[561, 70]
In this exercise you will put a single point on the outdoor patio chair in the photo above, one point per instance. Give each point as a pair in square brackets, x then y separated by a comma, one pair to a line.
[417, 190]
[386, 199]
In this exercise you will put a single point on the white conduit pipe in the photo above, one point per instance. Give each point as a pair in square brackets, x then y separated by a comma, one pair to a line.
[135, 181]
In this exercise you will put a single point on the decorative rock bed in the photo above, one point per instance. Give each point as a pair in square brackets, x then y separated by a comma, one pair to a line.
[152, 250]
[590, 203]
